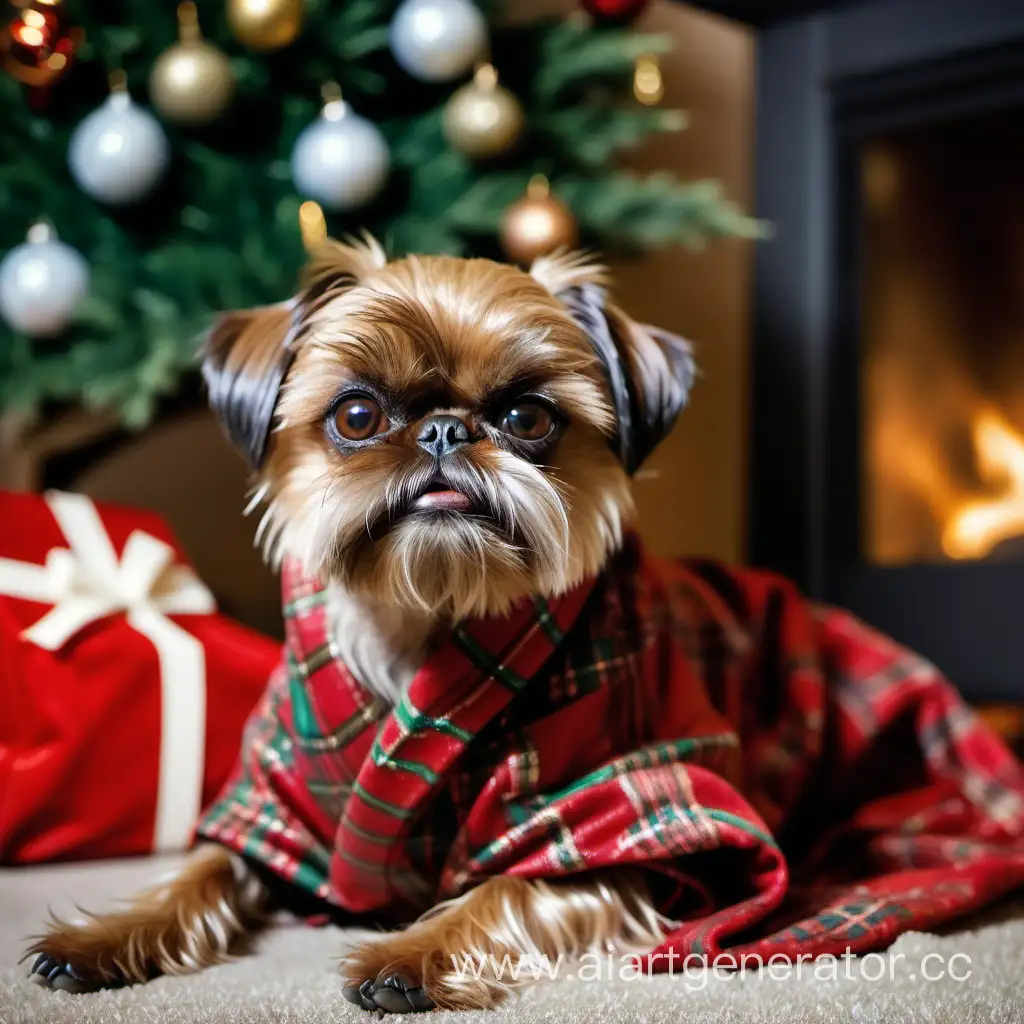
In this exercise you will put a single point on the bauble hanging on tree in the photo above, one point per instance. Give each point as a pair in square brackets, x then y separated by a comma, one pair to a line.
[483, 119]
[191, 82]
[341, 160]
[266, 24]
[41, 283]
[537, 224]
[37, 40]
[614, 12]
[312, 226]
[119, 152]
[438, 40]
[648, 84]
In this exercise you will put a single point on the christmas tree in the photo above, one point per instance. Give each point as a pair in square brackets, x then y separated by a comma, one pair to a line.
[179, 193]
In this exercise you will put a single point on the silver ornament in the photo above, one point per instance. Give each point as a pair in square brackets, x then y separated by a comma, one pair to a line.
[438, 40]
[341, 160]
[119, 152]
[41, 282]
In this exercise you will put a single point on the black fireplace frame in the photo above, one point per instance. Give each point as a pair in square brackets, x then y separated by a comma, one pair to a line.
[825, 81]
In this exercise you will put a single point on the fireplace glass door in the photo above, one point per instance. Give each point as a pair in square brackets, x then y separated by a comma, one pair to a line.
[942, 343]
[888, 357]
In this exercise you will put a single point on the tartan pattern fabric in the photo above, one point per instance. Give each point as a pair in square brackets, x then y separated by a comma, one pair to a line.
[795, 782]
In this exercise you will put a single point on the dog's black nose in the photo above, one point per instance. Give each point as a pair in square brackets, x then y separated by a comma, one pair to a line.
[441, 435]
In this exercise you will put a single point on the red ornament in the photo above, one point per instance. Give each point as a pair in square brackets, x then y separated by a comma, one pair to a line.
[616, 12]
[37, 41]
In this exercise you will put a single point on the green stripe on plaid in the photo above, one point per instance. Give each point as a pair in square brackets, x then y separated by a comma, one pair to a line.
[329, 790]
[656, 754]
[596, 658]
[742, 824]
[312, 877]
[304, 604]
[655, 829]
[371, 837]
[564, 847]
[373, 867]
[306, 726]
[345, 733]
[315, 660]
[408, 881]
[547, 621]
[653, 756]
[381, 759]
[542, 822]
[411, 719]
[484, 660]
[376, 802]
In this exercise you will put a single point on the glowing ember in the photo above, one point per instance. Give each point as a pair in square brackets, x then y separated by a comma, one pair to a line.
[976, 526]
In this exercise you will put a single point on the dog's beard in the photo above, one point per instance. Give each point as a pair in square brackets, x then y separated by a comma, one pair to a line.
[464, 563]
[528, 531]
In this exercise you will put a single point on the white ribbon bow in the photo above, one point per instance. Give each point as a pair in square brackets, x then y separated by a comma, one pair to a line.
[86, 582]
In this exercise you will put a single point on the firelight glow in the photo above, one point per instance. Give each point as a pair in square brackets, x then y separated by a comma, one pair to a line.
[975, 527]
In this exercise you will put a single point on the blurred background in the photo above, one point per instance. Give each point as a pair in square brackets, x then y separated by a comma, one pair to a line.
[203, 213]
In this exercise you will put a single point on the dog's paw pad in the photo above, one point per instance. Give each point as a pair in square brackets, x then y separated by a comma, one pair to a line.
[60, 975]
[393, 993]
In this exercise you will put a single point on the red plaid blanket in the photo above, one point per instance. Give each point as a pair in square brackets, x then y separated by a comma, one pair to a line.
[795, 782]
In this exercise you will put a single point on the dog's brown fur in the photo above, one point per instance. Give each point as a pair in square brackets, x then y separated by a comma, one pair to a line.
[459, 954]
[189, 922]
[435, 335]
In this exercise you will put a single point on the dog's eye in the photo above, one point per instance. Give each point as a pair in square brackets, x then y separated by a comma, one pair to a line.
[359, 419]
[529, 421]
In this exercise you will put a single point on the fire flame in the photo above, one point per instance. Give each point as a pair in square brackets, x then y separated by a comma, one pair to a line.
[977, 525]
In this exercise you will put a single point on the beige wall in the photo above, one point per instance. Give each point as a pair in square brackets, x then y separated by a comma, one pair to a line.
[693, 501]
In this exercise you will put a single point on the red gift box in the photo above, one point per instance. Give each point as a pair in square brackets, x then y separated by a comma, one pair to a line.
[123, 692]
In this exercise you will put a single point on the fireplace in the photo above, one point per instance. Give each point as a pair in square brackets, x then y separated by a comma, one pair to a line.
[888, 353]
[941, 276]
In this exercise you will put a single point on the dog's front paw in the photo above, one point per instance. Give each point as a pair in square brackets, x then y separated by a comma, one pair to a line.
[63, 975]
[100, 952]
[394, 993]
[410, 972]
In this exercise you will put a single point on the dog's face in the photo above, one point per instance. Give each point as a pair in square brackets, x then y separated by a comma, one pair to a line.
[435, 432]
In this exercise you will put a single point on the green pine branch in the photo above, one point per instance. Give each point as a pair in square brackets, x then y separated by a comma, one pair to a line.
[657, 210]
[575, 56]
[223, 232]
[590, 137]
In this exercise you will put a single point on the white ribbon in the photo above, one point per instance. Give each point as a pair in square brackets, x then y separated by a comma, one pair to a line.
[85, 582]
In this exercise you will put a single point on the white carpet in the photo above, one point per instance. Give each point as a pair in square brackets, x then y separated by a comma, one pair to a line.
[291, 977]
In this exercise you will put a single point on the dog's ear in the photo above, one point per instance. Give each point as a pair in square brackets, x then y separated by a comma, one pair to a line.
[334, 267]
[247, 353]
[650, 371]
[660, 369]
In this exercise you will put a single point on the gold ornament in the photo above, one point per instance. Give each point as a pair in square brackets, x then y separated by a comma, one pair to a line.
[537, 224]
[648, 86]
[265, 24]
[192, 82]
[312, 226]
[483, 119]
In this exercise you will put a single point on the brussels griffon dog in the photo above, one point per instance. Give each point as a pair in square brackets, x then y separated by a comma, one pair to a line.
[442, 451]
